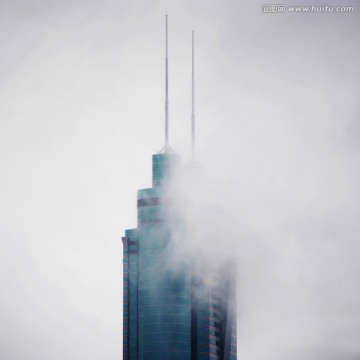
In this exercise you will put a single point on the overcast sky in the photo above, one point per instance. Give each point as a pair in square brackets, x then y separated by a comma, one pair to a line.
[82, 111]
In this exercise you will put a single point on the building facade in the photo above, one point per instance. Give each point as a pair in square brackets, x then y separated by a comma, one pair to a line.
[169, 313]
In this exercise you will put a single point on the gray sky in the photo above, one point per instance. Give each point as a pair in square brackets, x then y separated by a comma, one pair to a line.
[81, 110]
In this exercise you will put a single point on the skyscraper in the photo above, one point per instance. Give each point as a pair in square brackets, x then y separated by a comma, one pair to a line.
[169, 312]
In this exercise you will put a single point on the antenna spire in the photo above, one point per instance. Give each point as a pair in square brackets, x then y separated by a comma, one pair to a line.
[192, 101]
[166, 90]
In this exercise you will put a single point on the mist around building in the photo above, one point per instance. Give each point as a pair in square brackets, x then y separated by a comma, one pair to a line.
[81, 111]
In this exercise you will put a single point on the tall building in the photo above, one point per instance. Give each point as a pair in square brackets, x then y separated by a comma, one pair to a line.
[170, 312]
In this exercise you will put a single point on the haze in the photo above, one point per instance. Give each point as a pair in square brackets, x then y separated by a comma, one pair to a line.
[82, 111]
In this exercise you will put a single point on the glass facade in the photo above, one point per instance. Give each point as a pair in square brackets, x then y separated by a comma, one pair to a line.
[168, 315]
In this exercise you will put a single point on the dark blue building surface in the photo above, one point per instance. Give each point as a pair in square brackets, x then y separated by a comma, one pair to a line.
[168, 313]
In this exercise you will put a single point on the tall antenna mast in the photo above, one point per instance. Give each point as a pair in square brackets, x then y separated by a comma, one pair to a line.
[166, 91]
[192, 102]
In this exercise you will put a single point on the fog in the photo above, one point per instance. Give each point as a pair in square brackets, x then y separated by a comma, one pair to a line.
[82, 111]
